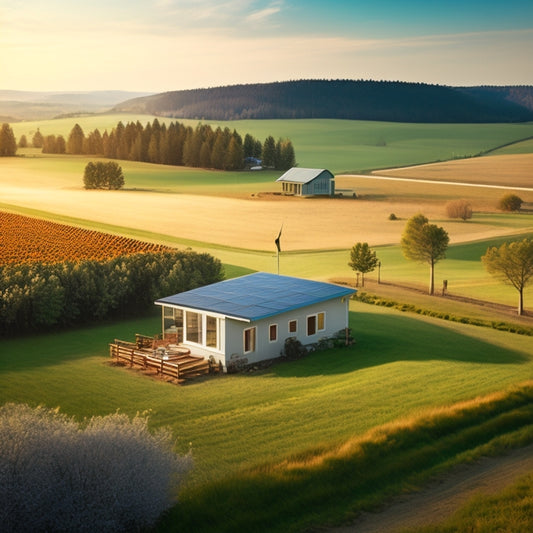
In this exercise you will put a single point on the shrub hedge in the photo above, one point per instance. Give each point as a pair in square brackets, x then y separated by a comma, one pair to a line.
[39, 296]
[503, 326]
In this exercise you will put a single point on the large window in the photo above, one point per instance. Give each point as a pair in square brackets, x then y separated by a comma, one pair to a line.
[249, 340]
[194, 327]
[316, 323]
[173, 322]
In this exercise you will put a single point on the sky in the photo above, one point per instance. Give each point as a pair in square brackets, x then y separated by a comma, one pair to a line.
[166, 45]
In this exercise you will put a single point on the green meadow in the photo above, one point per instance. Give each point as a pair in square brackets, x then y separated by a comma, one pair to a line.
[283, 448]
[339, 145]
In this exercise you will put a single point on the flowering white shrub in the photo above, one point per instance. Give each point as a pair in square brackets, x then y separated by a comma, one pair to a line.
[110, 474]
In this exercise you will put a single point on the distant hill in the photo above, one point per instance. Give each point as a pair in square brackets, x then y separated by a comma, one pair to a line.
[342, 99]
[34, 105]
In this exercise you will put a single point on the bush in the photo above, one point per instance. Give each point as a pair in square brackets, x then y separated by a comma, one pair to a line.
[459, 209]
[510, 202]
[392, 216]
[293, 348]
[111, 474]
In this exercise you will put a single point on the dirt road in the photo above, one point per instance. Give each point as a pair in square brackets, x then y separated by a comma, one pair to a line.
[442, 497]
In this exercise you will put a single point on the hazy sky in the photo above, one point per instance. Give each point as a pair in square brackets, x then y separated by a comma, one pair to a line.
[163, 45]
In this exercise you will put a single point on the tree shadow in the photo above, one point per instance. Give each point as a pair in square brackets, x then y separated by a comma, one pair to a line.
[381, 339]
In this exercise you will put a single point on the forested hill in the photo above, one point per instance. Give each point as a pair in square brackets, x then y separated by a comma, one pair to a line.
[343, 99]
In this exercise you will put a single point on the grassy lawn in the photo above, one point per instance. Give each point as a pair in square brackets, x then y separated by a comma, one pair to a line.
[395, 369]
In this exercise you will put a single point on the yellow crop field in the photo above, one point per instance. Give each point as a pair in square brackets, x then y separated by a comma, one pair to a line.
[510, 170]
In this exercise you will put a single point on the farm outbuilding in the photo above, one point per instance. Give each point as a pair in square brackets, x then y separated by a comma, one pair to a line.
[308, 182]
[247, 319]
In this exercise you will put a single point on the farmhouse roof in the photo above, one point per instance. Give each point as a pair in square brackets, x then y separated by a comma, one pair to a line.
[303, 175]
[256, 296]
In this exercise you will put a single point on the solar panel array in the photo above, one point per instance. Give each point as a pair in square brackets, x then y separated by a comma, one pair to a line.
[257, 295]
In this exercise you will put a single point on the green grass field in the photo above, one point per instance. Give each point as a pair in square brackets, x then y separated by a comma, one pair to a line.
[395, 369]
[339, 145]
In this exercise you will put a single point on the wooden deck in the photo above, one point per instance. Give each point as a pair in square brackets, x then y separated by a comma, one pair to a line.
[161, 357]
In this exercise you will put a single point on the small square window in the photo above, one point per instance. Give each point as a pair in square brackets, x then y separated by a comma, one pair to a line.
[293, 326]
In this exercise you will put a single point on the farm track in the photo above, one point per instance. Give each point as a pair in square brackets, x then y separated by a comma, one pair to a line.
[445, 494]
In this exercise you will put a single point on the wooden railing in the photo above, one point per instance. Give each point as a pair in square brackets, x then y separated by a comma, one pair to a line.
[179, 365]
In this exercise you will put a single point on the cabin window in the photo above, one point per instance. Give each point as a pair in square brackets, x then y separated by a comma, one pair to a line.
[311, 325]
[194, 327]
[249, 340]
[211, 333]
[316, 323]
[293, 326]
[173, 322]
[273, 332]
[321, 321]
[168, 318]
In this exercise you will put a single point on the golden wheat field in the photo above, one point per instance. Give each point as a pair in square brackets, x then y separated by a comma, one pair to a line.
[252, 221]
[515, 170]
[27, 240]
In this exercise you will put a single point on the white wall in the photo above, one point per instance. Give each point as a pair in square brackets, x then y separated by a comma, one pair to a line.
[336, 318]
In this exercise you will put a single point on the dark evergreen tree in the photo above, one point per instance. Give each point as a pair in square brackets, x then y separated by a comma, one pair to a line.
[23, 141]
[287, 158]
[37, 139]
[248, 145]
[8, 143]
[269, 152]
[234, 159]
[75, 140]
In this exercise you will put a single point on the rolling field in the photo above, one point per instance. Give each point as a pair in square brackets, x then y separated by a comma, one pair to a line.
[402, 365]
[511, 170]
[339, 145]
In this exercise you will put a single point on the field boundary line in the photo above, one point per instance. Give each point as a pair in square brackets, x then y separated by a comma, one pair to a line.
[439, 182]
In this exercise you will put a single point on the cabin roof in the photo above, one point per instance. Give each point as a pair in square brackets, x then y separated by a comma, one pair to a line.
[256, 296]
[303, 175]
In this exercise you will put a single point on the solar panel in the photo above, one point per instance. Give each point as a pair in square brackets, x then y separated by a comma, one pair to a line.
[257, 295]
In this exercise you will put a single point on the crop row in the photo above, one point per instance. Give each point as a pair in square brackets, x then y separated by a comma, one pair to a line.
[28, 240]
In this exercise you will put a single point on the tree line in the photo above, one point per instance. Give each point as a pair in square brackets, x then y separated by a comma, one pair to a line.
[39, 296]
[175, 144]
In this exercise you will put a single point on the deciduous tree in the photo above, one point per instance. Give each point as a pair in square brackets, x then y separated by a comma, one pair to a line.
[513, 264]
[362, 259]
[510, 202]
[425, 243]
[103, 176]
[459, 209]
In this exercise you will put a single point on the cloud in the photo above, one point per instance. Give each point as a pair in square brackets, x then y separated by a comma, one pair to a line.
[263, 14]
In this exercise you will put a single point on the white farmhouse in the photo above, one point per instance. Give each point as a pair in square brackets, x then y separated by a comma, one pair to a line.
[308, 182]
[249, 318]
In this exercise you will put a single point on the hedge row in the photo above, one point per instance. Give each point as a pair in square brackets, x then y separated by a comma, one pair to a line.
[39, 296]
[503, 326]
